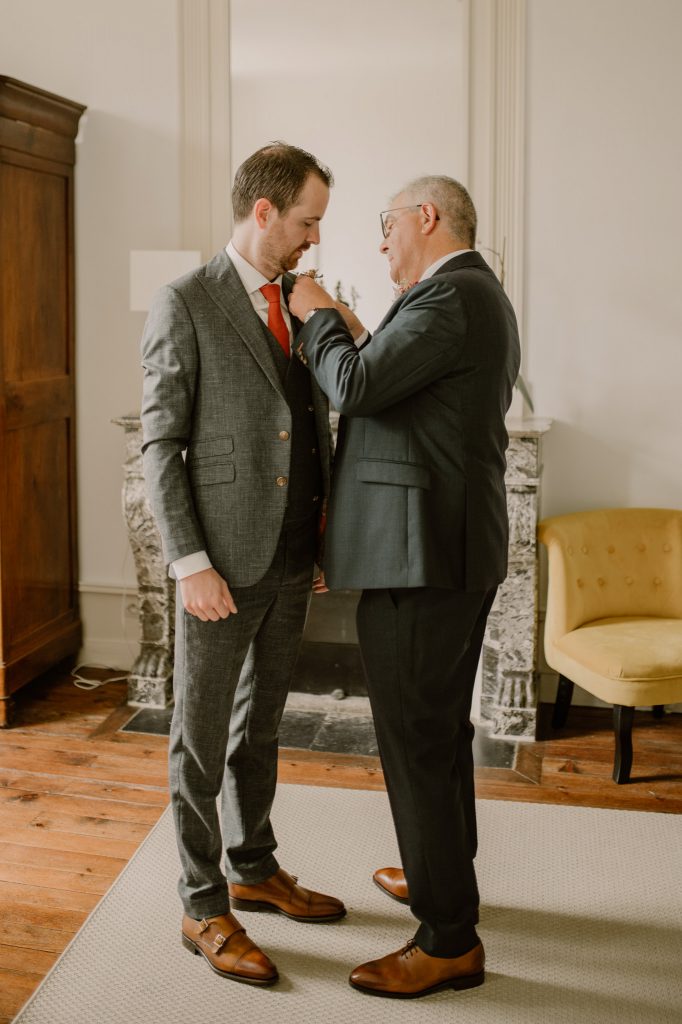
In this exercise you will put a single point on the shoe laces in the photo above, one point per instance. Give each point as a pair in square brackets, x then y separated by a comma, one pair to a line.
[409, 949]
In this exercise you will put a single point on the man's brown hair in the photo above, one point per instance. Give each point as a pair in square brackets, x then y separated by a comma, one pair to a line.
[277, 172]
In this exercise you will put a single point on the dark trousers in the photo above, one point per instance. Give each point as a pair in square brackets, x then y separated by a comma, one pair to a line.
[231, 682]
[420, 647]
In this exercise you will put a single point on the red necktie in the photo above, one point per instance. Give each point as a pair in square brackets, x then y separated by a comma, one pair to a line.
[276, 322]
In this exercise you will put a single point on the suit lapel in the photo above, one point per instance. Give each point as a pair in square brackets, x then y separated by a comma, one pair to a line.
[390, 312]
[223, 284]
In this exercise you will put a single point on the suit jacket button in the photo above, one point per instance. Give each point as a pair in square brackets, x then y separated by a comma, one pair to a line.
[316, 498]
[284, 435]
[311, 408]
[281, 481]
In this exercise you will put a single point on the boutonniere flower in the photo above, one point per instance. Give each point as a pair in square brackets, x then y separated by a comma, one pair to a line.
[403, 286]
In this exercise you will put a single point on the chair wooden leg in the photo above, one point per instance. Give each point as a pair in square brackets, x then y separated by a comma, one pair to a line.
[622, 726]
[658, 710]
[562, 703]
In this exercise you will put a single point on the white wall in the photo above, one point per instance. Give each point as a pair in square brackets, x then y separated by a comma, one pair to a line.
[378, 91]
[121, 59]
[604, 300]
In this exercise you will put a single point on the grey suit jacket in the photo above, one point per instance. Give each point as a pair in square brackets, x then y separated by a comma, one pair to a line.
[418, 495]
[213, 410]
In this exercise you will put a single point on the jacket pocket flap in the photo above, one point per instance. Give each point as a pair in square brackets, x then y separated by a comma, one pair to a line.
[386, 471]
[212, 472]
[211, 446]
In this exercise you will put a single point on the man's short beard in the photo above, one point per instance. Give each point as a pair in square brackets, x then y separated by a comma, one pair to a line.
[276, 260]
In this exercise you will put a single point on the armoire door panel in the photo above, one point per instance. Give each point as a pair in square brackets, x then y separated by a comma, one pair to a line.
[36, 529]
[37, 401]
[33, 236]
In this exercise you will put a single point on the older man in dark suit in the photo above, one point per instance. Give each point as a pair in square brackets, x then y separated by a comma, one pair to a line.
[418, 520]
[236, 458]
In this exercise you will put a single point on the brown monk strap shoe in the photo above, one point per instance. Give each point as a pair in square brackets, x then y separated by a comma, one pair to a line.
[411, 973]
[281, 894]
[392, 882]
[228, 949]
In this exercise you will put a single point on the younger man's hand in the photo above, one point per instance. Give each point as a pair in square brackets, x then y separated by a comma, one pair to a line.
[206, 595]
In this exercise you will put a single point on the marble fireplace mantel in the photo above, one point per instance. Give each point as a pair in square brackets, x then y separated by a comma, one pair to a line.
[509, 678]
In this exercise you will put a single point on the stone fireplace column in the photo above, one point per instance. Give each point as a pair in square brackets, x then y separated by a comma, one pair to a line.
[509, 679]
[150, 682]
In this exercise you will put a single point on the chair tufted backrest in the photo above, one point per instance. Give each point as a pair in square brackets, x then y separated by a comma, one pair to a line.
[612, 562]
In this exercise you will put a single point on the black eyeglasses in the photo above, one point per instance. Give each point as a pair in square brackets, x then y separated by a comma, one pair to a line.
[387, 221]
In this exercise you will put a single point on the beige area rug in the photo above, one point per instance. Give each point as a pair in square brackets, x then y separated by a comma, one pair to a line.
[581, 919]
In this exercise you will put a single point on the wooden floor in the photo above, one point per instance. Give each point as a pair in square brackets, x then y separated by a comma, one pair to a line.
[77, 797]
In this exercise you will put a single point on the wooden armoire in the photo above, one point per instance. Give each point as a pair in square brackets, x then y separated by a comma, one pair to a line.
[39, 616]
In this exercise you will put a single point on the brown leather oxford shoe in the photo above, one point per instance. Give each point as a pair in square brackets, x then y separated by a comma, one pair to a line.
[392, 882]
[281, 894]
[228, 950]
[411, 973]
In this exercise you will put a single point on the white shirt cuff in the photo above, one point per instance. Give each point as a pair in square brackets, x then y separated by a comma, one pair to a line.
[362, 339]
[189, 564]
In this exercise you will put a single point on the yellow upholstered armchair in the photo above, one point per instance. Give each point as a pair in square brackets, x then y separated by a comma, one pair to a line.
[614, 613]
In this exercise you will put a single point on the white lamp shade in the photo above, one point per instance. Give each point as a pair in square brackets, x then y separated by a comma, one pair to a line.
[150, 269]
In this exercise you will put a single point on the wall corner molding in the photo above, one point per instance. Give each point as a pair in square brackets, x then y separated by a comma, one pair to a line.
[204, 34]
[497, 134]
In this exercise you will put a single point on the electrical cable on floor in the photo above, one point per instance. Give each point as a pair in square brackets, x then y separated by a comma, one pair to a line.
[83, 683]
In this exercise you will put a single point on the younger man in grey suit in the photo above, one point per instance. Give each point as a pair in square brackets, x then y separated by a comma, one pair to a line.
[418, 520]
[236, 457]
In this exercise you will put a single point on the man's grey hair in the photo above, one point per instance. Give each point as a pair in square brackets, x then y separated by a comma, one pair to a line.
[452, 201]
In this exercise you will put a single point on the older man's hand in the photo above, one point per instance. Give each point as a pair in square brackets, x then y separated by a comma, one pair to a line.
[307, 295]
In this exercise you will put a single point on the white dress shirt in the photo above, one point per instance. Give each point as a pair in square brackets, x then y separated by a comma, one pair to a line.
[253, 281]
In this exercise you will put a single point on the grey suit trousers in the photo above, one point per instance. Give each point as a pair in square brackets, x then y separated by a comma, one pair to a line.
[231, 682]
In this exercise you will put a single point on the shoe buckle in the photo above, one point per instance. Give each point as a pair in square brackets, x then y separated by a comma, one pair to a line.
[219, 942]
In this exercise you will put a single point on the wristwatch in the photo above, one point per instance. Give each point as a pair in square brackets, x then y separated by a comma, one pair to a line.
[311, 312]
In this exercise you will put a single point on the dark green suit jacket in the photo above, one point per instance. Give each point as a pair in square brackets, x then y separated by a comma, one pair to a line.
[418, 495]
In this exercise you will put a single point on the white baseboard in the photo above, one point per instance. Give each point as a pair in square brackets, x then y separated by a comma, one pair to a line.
[108, 653]
[110, 625]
